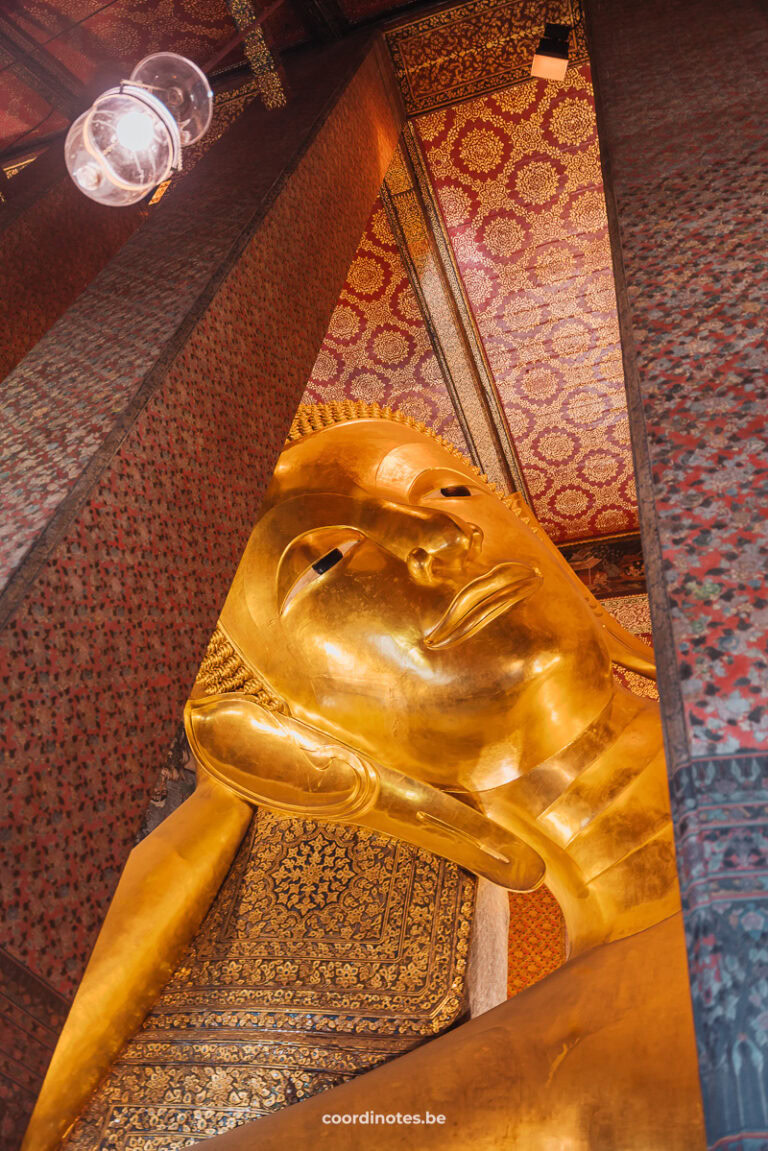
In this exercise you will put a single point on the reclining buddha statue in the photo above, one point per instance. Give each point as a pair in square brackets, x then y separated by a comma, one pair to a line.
[422, 661]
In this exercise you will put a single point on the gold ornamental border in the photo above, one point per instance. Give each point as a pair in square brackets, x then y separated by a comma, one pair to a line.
[475, 71]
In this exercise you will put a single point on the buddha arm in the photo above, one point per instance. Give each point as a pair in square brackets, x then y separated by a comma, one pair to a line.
[165, 890]
[286, 765]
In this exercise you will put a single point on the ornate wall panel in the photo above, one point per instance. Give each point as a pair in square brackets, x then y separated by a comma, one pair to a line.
[328, 950]
[377, 347]
[517, 176]
[633, 612]
[464, 50]
[610, 566]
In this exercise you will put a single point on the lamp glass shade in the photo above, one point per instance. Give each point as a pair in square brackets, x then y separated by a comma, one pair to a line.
[182, 87]
[124, 145]
[549, 67]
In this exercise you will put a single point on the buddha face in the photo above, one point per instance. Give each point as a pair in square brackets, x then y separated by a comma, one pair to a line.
[394, 602]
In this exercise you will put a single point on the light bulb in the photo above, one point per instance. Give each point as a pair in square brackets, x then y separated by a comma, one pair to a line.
[135, 130]
[130, 139]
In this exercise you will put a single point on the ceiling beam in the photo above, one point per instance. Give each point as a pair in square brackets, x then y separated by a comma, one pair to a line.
[325, 18]
[42, 72]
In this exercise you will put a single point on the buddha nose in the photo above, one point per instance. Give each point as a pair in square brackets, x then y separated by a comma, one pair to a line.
[444, 549]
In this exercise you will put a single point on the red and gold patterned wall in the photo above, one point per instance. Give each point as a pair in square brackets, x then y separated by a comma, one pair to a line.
[377, 347]
[517, 177]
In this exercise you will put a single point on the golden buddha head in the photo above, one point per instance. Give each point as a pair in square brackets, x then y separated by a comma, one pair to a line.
[394, 600]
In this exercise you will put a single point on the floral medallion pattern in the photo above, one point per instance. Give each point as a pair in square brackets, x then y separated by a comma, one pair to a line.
[377, 347]
[328, 950]
[517, 177]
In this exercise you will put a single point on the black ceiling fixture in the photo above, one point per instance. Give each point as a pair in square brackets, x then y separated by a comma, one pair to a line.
[550, 61]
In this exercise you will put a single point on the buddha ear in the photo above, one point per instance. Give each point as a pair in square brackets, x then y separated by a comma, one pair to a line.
[625, 649]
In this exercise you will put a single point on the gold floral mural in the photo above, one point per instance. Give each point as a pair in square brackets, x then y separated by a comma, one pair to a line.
[377, 347]
[328, 950]
[517, 177]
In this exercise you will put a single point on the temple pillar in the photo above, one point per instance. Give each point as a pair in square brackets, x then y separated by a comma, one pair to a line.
[140, 434]
[682, 103]
[53, 241]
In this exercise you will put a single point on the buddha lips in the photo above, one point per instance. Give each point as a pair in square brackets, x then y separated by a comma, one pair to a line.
[481, 601]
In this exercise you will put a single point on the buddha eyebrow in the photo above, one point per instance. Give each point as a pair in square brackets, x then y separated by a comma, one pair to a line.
[327, 561]
[455, 490]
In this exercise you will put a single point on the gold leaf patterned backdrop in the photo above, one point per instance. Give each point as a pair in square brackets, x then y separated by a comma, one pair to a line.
[328, 950]
[517, 177]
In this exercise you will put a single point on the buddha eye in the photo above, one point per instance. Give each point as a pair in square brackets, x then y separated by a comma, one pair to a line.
[300, 571]
[441, 484]
[323, 565]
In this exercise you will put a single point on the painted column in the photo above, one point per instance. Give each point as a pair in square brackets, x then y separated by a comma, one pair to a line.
[53, 241]
[682, 91]
[139, 435]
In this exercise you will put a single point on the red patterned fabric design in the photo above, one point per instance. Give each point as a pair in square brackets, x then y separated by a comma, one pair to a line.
[536, 938]
[517, 176]
[377, 347]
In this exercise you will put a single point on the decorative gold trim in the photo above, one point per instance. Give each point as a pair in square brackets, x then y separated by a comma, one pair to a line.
[464, 70]
[470, 331]
[391, 206]
[257, 53]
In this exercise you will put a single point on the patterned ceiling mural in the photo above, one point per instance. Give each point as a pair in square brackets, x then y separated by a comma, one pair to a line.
[517, 177]
[377, 347]
[463, 50]
[86, 36]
